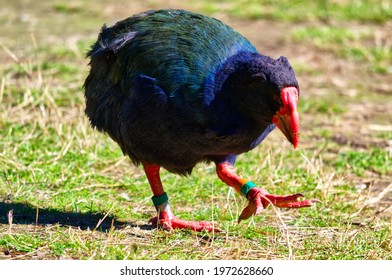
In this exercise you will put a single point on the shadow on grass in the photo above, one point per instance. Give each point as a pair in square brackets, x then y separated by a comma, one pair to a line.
[26, 214]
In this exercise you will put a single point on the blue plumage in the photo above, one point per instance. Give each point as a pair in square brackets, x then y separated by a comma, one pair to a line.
[174, 88]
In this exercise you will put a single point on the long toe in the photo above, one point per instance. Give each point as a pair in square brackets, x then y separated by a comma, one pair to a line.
[170, 222]
[194, 225]
[254, 207]
[290, 201]
[298, 204]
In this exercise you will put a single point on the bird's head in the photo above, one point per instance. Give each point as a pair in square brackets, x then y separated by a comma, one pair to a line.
[285, 91]
[281, 84]
[268, 91]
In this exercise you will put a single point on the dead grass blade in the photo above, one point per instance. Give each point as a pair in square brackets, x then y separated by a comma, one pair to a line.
[104, 217]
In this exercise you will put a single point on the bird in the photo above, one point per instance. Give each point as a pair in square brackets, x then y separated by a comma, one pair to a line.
[174, 88]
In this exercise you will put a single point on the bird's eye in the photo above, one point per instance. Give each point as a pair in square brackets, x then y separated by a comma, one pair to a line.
[276, 98]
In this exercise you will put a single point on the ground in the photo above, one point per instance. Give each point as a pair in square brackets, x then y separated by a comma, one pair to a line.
[67, 192]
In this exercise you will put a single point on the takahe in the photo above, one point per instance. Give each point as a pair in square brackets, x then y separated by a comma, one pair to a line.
[175, 88]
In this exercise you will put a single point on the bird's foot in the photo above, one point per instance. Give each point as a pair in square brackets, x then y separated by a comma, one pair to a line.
[260, 199]
[168, 221]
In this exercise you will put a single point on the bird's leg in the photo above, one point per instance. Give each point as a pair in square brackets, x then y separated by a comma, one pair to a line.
[258, 198]
[160, 198]
[165, 217]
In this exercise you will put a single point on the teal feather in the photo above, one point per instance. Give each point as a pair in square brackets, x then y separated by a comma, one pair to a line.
[181, 50]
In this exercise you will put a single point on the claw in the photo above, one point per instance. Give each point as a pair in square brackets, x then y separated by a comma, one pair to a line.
[260, 199]
[255, 205]
[249, 211]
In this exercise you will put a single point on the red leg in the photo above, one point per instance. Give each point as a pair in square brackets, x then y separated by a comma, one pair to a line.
[165, 217]
[258, 198]
[226, 173]
[152, 173]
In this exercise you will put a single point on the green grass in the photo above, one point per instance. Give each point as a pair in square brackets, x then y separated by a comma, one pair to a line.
[379, 57]
[300, 10]
[327, 36]
[75, 196]
[360, 44]
[375, 160]
[331, 105]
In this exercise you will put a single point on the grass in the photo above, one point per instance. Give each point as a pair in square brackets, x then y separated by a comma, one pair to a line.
[376, 160]
[351, 44]
[299, 10]
[73, 195]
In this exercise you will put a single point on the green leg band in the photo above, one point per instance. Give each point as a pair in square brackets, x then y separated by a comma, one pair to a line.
[161, 199]
[246, 188]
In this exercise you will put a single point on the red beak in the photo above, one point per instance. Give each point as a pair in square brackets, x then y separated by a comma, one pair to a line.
[287, 118]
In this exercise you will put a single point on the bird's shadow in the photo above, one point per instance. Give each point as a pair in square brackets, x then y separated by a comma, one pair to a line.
[27, 214]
